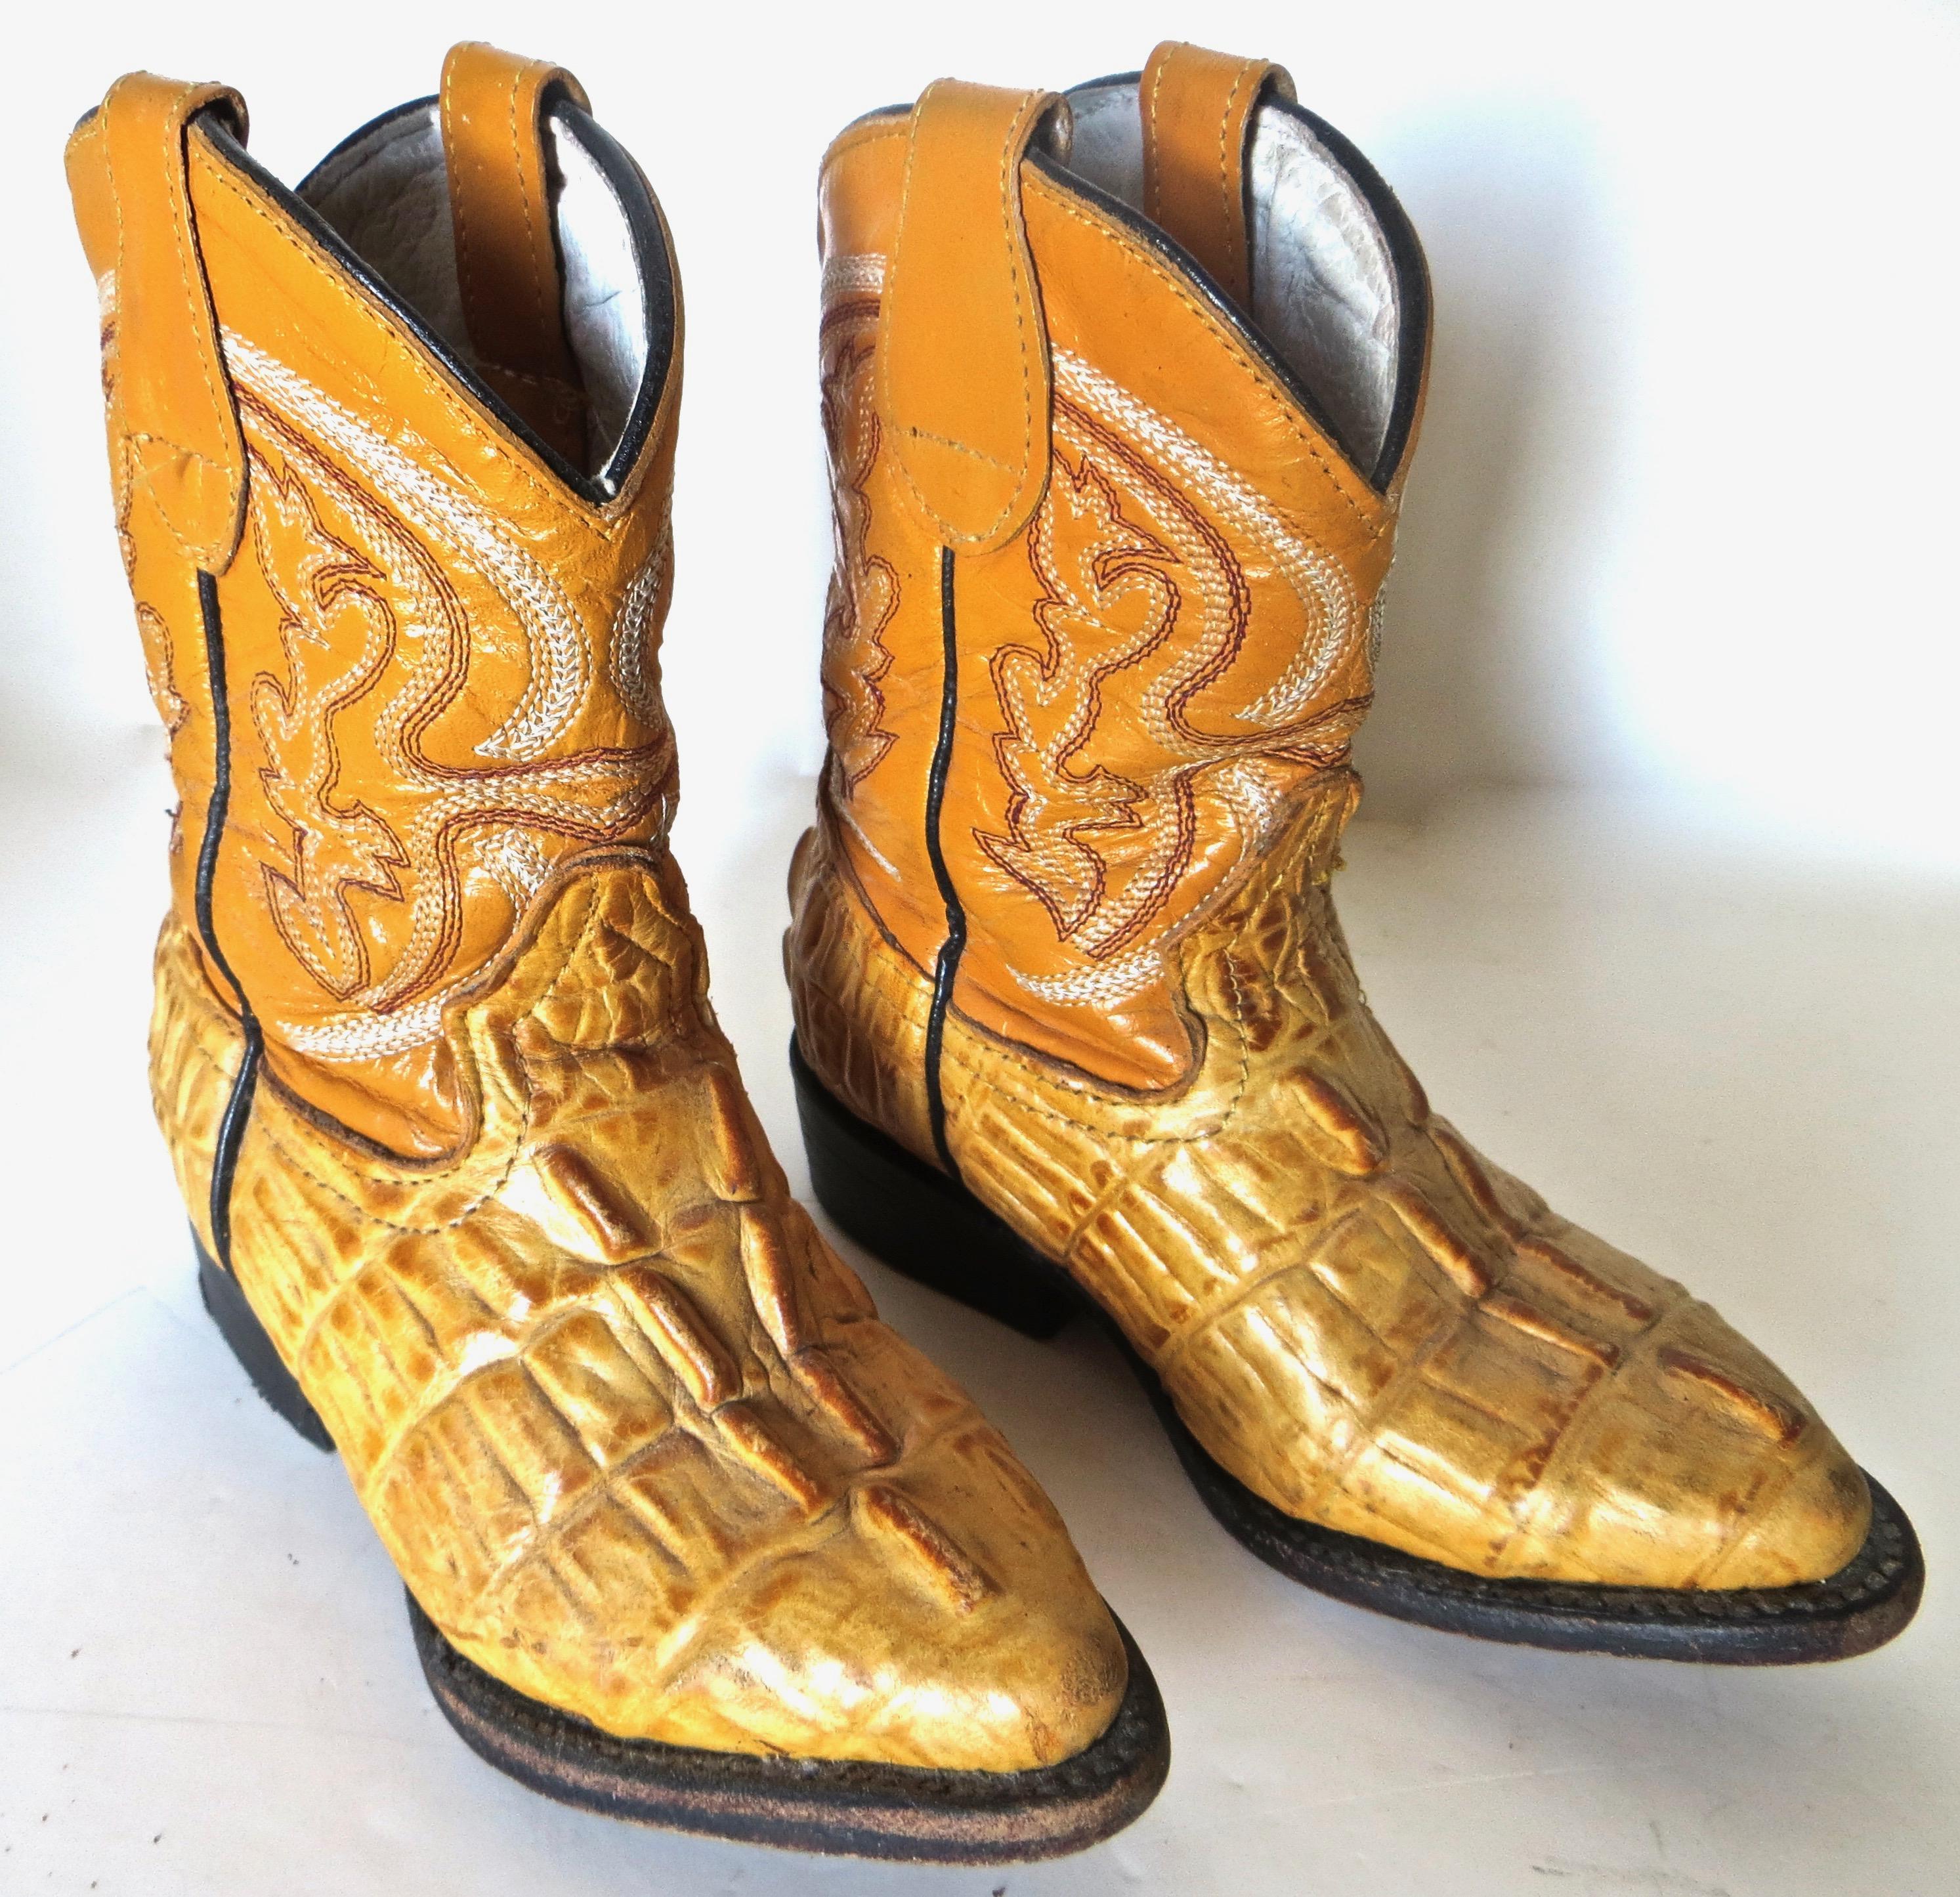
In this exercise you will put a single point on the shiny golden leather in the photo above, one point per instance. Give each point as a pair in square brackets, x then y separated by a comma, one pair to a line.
[1100, 636]
[432, 1048]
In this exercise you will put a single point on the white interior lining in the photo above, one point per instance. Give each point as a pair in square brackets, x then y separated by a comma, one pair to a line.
[1324, 294]
[387, 195]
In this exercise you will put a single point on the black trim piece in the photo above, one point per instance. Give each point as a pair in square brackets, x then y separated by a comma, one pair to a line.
[428, 102]
[231, 1136]
[238, 1106]
[651, 249]
[947, 965]
[1404, 252]
[219, 807]
[1411, 283]
[1108, 79]
[654, 256]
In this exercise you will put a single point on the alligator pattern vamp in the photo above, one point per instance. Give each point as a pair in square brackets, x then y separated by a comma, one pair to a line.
[635, 1438]
[1356, 1314]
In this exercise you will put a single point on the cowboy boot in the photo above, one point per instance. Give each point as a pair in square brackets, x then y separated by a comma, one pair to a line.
[1120, 391]
[688, 1536]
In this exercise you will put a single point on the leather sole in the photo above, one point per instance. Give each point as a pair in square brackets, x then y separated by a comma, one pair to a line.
[848, 1807]
[931, 1229]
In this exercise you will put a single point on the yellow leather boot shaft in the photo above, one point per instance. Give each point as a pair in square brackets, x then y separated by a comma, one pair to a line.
[1188, 495]
[438, 658]
[1064, 927]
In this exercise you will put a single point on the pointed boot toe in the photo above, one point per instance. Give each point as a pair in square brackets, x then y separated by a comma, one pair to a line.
[479, 1200]
[1116, 480]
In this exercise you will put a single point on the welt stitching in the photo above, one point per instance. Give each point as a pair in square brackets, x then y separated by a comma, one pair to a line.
[1374, 530]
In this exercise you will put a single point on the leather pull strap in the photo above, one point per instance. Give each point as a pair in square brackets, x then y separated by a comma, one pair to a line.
[1197, 108]
[128, 172]
[963, 378]
[507, 257]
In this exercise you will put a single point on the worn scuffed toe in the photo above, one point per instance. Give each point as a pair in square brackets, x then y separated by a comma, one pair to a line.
[688, 1536]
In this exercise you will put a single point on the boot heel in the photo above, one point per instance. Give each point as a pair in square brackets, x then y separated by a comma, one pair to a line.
[239, 1328]
[922, 1222]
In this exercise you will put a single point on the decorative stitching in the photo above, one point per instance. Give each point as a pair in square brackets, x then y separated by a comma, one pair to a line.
[608, 520]
[357, 847]
[558, 682]
[958, 448]
[1234, 203]
[864, 591]
[1153, 158]
[1374, 529]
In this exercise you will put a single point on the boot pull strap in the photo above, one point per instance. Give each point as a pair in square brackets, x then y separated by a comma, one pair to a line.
[963, 378]
[1197, 108]
[173, 412]
[507, 258]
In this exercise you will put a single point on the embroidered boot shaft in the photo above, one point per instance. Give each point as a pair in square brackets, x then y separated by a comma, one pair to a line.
[1121, 389]
[689, 1535]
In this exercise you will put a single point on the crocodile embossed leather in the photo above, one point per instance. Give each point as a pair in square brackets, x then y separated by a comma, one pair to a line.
[1068, 976]
[690, 1535]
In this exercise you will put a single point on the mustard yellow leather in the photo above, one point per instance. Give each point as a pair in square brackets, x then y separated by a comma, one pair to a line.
[492, 105]
[966, 440]
[635, 1437]
[515, 725]
[636, 1440]
[1197, 110]
[173, 421]
[1157, 1064]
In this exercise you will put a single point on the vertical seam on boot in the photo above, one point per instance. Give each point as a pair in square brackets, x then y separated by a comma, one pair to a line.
[946, 967]
[238, 1107]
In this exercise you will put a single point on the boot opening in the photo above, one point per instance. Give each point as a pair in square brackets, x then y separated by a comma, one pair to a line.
[385, 193]
[1336, 291]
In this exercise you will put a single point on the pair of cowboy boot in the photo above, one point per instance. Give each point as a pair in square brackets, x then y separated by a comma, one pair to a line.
[1120, 387]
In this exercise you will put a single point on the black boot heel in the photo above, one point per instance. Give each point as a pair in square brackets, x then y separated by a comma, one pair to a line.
[920, 1222]
[239, 1328]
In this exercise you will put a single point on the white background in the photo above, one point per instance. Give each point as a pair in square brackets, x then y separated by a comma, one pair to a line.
[1657, 883]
